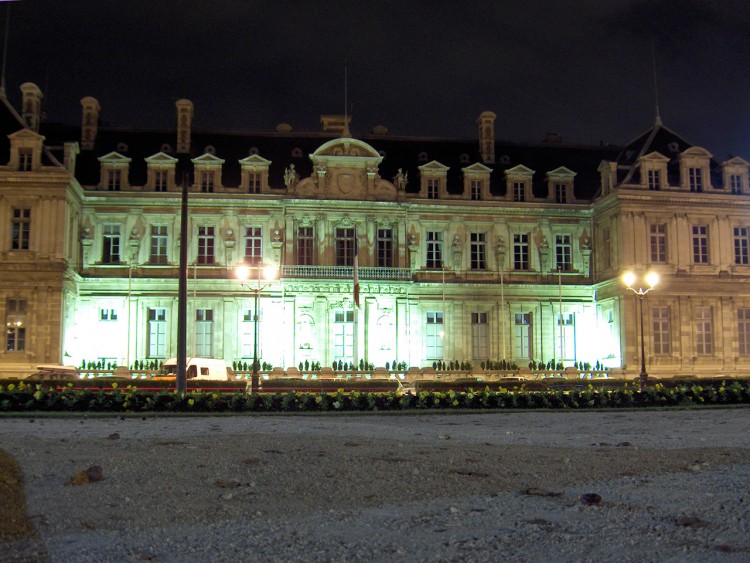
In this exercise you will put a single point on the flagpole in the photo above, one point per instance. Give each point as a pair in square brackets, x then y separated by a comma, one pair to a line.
[355, 291]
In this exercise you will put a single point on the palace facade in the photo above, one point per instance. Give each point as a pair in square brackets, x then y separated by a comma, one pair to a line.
[466, 250]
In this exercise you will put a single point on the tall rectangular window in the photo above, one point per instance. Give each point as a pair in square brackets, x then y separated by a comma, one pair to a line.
[433, 188]
[385, 248]
[662, 330]
[519, 191]
[654, 179]
[159, 243]
[561, 193]
[15, 325]
[434, 335]
[157, 333]
[434, 257]
[343, 335]
[478, 248]
[20, 229]
[475, 187]
[204, 332]
[658, 243]
[344, 244]
[25, 160]
[704, 331]
[247, 334]
[735, 183]
[479, 336]
[305, 246]
[522, 336]
[160, 180]
[566, 345]
[695, 179]
[114, 180]
[111, 244]
[253, 182]
[521, 251]
[207, 181]
[606, 248]
[564, 252]
[206, 245]
[741, 245]
[700, 244]
[743, 331]
[253, 246]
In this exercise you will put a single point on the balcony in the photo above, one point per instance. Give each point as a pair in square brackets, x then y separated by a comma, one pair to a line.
[345, 272]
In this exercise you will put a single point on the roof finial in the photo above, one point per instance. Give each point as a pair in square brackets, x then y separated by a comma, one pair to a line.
[658, 121]
[346, 132]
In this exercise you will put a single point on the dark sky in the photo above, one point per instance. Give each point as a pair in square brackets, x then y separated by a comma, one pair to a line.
[582, 68]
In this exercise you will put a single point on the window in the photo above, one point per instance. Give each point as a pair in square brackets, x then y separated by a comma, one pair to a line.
[519, 191]
[385, 248]
[107, 314]
[159, 240]
[606, 249]
[700, 244]
[564, 252]
[247, 334]
[160, 180]
[743, 331]
[479, 336]
[206, 245]
[561, 193]
[662, 332]
[20, 228]
[434, 334]
[253, 246]
[15, 325]
[434, 249]
[695, 179]
[478, 243]
[305, 246]
[735, 183]
[253, 182]
[567, 336]
[204, 330]
[344, 240]
[157, 333]
[658, 242]
[25, 160]
[433, 188]
[343, 335]
[741, 245]
[475, 187]
[522, 336]
[704, 331]
[111, 244]
[208, 181]
[114, 180]
[654, 179]
[521, 252]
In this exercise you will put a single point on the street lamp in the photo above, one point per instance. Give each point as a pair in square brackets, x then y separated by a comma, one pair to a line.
[652, 278]
[267, 273]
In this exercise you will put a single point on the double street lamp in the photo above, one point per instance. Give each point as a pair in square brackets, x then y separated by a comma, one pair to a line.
[265, 276]
[629, 279]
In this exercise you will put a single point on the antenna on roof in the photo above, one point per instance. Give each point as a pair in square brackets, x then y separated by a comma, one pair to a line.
[5, 49]
[346, 132]
[656, 85]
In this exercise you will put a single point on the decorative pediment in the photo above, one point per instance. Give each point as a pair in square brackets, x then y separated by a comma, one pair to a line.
[254, 162]
[477, 169]
[655, 157]
[519, 171]
[433, 167]
[160, 158]
[696, 152]
[346, 147]
[207, 160]
[26, 136]
[114, 157]
[561, 173]
[736, 162]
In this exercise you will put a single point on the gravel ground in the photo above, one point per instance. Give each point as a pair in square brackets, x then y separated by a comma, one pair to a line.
[439, 487]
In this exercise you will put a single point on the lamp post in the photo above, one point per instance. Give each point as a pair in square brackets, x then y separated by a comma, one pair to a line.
[629, 278]
[267, 273]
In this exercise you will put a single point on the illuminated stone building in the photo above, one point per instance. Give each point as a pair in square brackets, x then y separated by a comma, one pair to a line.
[468, 250]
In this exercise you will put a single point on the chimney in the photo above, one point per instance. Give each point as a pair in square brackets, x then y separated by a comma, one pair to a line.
[486, 123]
[31, 105]
[90, 122]
[71, 151]
[184, 124]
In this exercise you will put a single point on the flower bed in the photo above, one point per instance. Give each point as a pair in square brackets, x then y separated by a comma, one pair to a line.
[25, 397]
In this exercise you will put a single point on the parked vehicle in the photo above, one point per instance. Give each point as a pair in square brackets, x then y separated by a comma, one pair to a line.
[49, 372]
[199, 368]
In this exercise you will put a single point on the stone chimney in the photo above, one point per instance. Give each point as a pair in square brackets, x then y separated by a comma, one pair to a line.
[486, 123]
[184, 124]
[31, 105]
[90, 122]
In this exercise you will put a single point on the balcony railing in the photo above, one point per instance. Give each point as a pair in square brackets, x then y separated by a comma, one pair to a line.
[345, 272]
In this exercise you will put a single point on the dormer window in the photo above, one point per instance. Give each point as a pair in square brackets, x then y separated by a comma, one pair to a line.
[475, 190]
[694, 169]
[25, 159]
[433, 188]
[695, 179]
[160, 180]
[518, 183]
[207, 181]
[735, 183]
[519, 191]
[114, 180]
[735, 175]
[253, 182]
[114, 172]
[207, 173]
[654, 180]
[561, 193]
[161, 171]
[476, 181]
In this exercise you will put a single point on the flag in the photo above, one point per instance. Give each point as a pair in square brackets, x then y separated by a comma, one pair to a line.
[356, 270]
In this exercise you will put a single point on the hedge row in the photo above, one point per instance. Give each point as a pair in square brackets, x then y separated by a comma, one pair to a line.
[39, 397]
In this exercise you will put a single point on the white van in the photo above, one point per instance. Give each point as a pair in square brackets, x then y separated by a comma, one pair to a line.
[199, 368]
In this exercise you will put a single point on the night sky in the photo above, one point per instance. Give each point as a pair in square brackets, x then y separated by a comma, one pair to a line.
[582, 68]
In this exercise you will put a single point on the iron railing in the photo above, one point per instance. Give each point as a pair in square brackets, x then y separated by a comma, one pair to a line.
[345, 272]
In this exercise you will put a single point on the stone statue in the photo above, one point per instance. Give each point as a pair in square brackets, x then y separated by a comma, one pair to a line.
[401, 179]
[290, 177]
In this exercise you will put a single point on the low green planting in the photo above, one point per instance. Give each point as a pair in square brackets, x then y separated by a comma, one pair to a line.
[35, 397]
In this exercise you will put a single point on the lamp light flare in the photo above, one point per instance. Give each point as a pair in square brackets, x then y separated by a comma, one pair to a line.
[242, 272]
[628, 278]
[270, 273]
[652, 279]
